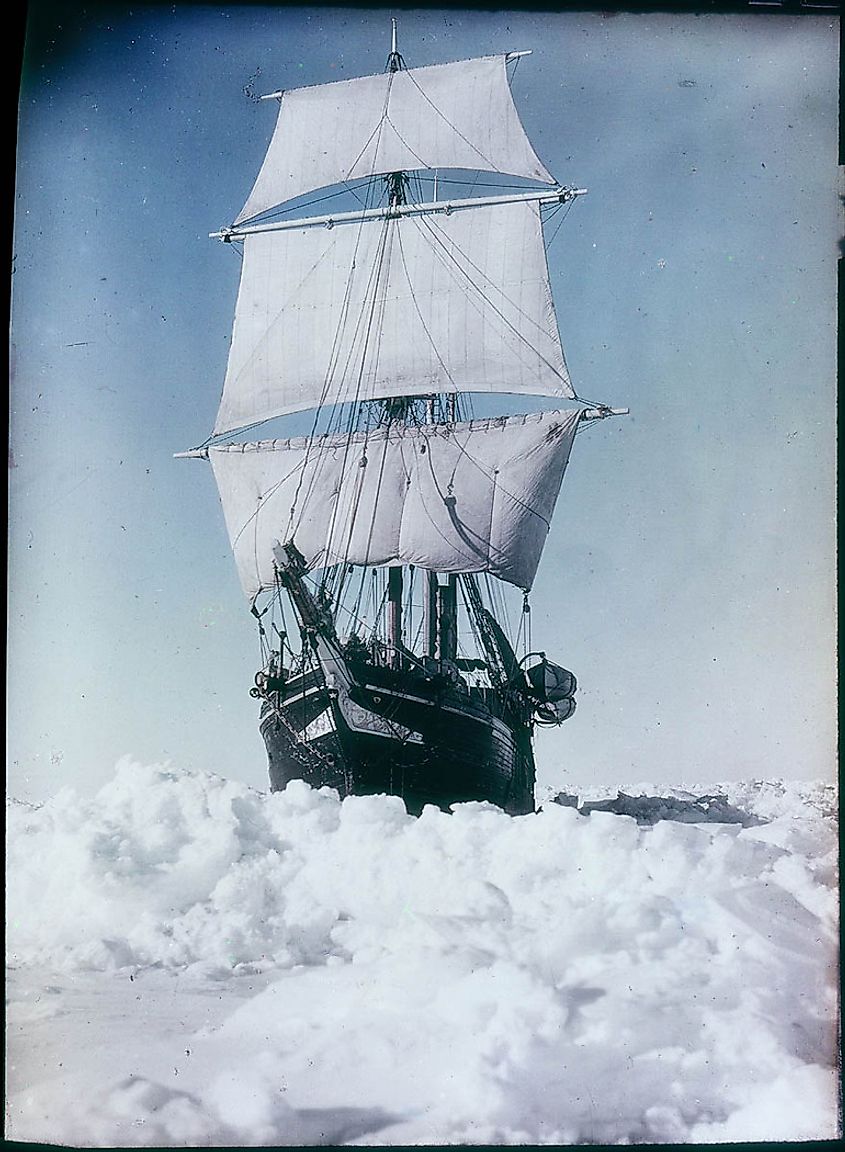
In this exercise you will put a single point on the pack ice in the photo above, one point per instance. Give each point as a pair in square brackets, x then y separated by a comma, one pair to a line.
[195, 963]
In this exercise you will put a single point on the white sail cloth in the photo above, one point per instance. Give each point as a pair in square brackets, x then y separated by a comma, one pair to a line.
[457, 115]
[469, 497]
[402, 306]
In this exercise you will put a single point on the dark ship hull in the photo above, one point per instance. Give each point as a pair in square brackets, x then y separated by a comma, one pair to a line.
[421, 735]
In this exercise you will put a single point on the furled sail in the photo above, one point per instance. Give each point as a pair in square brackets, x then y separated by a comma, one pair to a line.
[399, 306]
[457, 115]
[476, 496]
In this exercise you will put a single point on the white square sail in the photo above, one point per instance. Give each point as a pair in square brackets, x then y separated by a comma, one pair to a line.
[457, 115]
[476, 496]
[399, 306]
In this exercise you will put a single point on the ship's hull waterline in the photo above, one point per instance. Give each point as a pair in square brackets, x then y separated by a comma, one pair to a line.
[418, 738]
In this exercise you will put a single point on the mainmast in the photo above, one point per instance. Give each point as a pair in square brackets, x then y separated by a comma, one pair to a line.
[394, 60]
[440, 600]
[395, 407]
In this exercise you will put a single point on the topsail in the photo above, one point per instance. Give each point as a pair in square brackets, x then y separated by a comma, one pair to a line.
[402, 306]
[457, 115]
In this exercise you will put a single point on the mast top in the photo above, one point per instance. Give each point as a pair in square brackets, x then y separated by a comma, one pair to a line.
[394, 60]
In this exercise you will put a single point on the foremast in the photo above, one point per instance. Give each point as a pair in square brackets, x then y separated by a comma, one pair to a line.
[396, 408]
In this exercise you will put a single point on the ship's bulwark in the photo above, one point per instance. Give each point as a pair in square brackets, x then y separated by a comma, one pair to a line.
[407, 736]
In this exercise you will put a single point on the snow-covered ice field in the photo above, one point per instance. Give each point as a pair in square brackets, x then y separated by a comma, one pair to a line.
[193, 962]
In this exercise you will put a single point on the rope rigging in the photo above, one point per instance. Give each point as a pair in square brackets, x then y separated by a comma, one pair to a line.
[353, 360]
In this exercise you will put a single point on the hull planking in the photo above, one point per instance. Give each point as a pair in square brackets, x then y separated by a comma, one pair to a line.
[424, 738]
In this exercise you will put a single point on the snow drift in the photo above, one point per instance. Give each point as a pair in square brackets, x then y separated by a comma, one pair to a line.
[197, 963]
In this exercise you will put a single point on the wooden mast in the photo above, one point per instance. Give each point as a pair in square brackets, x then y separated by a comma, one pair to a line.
[394, 617]
[430, 615]
[396, 197]
[448, 612]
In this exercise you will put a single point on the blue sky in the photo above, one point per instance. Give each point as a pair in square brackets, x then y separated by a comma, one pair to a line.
[689, 577]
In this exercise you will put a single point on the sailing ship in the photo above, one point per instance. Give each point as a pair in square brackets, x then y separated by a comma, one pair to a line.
[375, 549]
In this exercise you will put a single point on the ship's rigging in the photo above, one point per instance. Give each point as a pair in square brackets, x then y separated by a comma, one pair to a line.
[389, 526]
